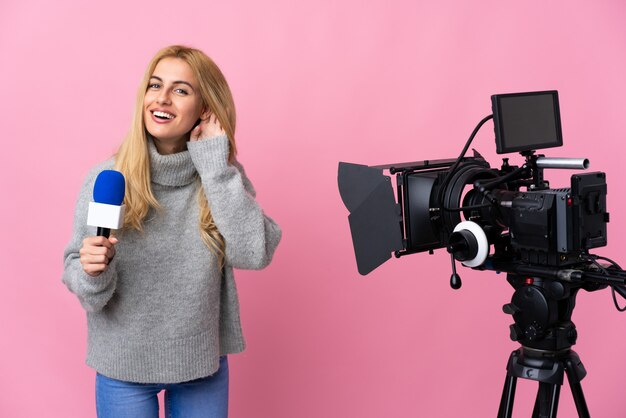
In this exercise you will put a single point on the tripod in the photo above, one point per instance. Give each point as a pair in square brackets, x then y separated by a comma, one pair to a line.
[542, 311]
[547, 368]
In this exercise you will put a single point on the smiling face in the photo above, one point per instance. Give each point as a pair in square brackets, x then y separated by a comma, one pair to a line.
[172, 105]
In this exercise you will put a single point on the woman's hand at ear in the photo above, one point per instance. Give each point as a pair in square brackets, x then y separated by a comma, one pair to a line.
[208, 128]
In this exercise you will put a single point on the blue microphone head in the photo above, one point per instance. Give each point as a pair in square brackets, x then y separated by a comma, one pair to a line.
[109, 188]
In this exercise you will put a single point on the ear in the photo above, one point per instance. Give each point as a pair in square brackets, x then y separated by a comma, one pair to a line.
[205, 113]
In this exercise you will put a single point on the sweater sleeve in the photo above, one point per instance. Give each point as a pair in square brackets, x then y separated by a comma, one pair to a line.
[251, 237]
[92, 292]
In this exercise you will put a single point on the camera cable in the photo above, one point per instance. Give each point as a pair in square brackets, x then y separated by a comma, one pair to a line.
[593, 259]
[446, 180]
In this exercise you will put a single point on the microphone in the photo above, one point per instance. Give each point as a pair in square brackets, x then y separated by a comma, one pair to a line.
[107, 211]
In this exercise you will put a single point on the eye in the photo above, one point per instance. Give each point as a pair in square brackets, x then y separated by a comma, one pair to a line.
[181, 91]
[154, 86]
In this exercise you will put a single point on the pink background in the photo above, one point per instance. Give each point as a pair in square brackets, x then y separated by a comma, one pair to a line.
[315, 83]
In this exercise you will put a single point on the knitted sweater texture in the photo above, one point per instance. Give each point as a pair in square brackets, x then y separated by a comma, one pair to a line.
[163, 311]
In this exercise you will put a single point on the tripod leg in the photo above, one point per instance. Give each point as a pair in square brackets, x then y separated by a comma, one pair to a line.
[547, 401]
[508, 396]
[577, 393]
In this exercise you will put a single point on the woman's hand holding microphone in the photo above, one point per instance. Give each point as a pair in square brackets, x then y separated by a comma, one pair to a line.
[96, 254]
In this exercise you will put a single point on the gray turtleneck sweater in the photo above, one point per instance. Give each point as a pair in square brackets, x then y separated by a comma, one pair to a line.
[163, 311]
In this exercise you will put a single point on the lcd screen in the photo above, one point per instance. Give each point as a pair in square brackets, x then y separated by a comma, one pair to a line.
[526, 121]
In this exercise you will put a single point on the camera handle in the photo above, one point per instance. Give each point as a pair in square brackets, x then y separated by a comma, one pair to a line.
[455, 279]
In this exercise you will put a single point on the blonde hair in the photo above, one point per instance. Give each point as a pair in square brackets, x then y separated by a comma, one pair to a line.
[132, 158]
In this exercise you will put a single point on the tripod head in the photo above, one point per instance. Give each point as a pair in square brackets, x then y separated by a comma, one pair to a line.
[542, 310]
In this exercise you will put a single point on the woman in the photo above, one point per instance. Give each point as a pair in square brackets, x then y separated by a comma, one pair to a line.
[160, 297]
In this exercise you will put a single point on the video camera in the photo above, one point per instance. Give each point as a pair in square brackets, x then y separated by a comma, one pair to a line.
[505, 219]
[511, 208]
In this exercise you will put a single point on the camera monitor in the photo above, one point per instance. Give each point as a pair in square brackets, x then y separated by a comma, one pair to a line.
[526, 121]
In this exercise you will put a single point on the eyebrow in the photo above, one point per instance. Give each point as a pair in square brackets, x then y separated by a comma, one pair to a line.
[175, 82]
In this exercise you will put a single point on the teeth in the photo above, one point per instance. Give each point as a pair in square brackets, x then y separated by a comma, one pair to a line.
[163, 114]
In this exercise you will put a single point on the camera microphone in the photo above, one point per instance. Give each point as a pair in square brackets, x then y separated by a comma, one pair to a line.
[106, 212]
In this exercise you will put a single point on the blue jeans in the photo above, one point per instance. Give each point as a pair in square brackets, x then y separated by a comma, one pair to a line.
[206, 397]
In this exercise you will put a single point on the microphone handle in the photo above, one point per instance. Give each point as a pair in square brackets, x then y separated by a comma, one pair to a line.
[103, 232]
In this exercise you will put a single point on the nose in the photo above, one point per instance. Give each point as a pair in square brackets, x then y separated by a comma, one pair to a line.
[164, 97]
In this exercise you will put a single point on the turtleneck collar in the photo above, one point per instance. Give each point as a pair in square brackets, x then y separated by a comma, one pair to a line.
[172, 169]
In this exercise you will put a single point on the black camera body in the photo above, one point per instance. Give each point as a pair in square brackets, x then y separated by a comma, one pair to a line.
[544, 227]
[554, 227]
